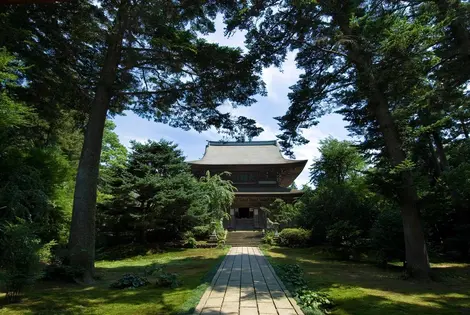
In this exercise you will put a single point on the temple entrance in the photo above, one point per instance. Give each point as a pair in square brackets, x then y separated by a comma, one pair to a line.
[244, 219]
[244, 213]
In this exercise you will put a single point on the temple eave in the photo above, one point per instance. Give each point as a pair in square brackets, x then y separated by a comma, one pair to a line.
[293, 193]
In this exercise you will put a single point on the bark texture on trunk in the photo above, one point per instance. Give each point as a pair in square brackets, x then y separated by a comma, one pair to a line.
[417, 262]
[82, 230]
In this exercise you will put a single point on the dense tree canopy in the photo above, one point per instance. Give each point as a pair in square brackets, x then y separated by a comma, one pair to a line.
[398, 72]
[388, 67]
[155, 195]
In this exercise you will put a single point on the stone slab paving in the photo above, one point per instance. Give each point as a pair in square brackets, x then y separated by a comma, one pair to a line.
[246, 284]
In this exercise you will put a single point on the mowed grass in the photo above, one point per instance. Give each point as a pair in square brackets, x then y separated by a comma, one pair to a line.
[364, 289]
[195, 267]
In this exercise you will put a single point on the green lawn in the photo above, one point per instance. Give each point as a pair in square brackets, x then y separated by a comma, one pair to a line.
[194, 266]
[363, 289]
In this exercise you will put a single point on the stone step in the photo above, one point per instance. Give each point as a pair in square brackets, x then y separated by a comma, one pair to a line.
[244, 238]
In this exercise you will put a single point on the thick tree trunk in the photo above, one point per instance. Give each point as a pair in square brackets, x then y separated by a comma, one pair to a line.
[82, 230]
[417, 262]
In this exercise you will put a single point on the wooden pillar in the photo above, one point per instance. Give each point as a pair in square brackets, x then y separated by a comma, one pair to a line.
[232, 219]
[256, 218]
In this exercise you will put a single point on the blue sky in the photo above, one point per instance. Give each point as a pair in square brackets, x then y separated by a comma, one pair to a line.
[278, 81]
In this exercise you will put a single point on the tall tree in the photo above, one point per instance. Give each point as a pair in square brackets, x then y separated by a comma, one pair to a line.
[363, 57]
[154, 189]
[154, 63]
[338, 162]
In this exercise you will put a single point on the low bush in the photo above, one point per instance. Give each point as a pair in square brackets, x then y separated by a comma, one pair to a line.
[129, 281]
[167, 279]
[269, 238]
[387, 237]
[188, 240]
[153, 269]
[347, 240]
[293, 237]
[61, 272]
[164, 279]
[58, 268]
[22, 258]
[202, 232]
[190, 243]
[311, 302]
[314, 302]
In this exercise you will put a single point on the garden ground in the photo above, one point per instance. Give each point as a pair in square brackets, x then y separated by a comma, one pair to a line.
[194, 266]
[364, 289]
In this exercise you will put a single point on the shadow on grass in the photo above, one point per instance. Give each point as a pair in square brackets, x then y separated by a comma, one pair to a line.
[195, 272]
[125, 251]
[365, 289]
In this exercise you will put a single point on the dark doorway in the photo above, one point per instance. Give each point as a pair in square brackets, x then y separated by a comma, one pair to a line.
[244, 213]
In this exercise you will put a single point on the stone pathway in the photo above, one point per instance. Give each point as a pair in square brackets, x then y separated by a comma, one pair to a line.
[246, 284]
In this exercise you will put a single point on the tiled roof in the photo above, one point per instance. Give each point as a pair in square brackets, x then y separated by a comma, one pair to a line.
[243, 153]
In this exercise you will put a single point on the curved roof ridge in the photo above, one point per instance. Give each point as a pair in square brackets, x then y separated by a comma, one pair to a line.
[243, 153]
[241, 144]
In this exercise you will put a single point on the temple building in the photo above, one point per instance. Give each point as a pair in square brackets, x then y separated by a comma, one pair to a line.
[259, 172]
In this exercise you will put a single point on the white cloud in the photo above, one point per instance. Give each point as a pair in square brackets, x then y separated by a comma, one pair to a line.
[235, 40]
[278, 80]
[275, 104]
[126, 140]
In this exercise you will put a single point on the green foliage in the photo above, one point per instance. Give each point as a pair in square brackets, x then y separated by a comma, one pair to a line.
[13, 114]
[218, 194]
[311, 302]
[201, 232]
[166, 279]
[282, 212]
[21, 259]
[156, 198]
[294, 237]
[163, 278]
[314, 301]
[188, 240]
[346, 238]
[269, 238]
[339, 161]
[129, 281]
[113, 153]
[35, 174]
[393, 70]
[58, 271]
[387, 236]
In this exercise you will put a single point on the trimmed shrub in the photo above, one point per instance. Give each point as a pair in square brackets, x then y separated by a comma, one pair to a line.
[293, 237]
